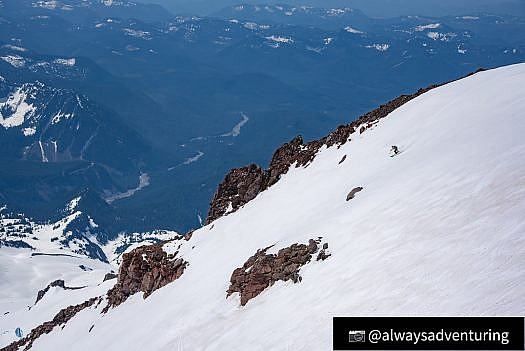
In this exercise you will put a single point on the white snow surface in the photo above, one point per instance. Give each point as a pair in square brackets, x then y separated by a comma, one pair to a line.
[65, 62]
[353, 30]
[14, 60]
[423, 27]
[379, 47]
[437, 230]
[279, 39]
[16, 109]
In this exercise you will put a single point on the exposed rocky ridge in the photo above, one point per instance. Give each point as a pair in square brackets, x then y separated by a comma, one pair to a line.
[60, 318]
[241, 185]
[263, 270]
[57, 283]
[146, 268]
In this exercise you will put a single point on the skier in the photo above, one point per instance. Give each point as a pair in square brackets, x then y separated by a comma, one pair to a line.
[394, 151]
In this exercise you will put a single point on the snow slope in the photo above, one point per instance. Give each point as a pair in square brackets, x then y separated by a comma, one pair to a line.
[437, 230]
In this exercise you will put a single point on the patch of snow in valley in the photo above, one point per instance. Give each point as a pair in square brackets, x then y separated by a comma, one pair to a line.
[15, 109]
[14, 60]
[255, 26]
[379, 47]
[49, 5]
[188, 161]
[60, 115]
[65, 62]
[441, 36]
[14, 48]
[280, 39]
[137, 33]
[336, 12]
[29, 131]
[422, 27]
[275, 41]
[193, 159]
[353, 30]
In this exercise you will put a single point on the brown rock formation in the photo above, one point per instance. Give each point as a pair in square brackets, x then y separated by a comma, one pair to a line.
[263, 270]
[61, 318]
[146, 268]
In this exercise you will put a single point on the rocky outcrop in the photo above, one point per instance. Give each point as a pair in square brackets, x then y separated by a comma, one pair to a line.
[352, 193]
[60, 318]
[263, 270]
[57, 283]
[109, 276]
[146, 268]
[323, 254]
[244, 184]
[239, 186]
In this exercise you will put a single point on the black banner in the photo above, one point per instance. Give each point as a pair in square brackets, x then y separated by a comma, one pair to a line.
[428, 333]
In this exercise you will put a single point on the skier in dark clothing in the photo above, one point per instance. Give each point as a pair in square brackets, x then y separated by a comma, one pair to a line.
[394, 151]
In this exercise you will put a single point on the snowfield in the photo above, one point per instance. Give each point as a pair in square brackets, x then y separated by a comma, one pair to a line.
[437, 230]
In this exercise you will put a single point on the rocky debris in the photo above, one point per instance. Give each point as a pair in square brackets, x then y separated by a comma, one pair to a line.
[57, 283]
[352, 193]
[110, 276]
[243, 184]
[60, 318]
[323, 255]
[342, 160]
[84, 268]
[263, 270]
[146, 268]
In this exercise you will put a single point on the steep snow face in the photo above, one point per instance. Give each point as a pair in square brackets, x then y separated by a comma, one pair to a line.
[437, 229]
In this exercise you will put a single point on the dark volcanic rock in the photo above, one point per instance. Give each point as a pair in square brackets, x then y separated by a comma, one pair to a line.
[109, 276]
[352, 193]
[244, 184]
[263, 270]
[146, 268]
[323, 255]
[60, 318]
[57, 283]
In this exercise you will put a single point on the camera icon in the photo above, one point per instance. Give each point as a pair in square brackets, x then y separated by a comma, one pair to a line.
[356, 336]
